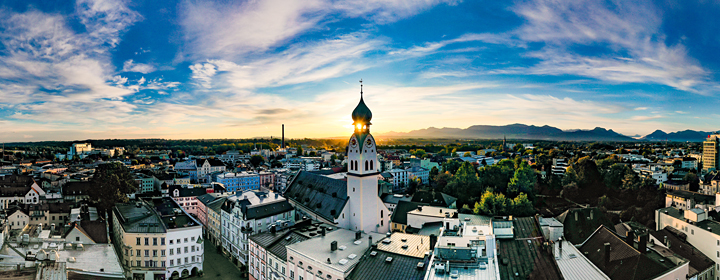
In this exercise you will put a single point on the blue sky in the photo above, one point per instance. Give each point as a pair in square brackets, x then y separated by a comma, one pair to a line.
[236, 69]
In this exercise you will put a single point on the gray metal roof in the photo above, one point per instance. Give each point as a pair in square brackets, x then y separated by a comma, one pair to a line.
[372, 267]
[326, 197]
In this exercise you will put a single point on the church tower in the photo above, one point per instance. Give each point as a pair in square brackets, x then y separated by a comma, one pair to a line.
[365, 209]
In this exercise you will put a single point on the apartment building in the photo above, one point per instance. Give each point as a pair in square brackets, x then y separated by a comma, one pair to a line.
[157, 239]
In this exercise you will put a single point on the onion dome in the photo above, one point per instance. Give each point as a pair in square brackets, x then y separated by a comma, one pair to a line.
[362, 113]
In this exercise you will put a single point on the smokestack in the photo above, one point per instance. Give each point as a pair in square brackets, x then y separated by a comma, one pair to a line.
[607, 254]
[282, 142]
[333, 246]
[322, 231]
[358, 235]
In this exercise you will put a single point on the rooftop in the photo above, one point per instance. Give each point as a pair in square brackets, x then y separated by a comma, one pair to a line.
[432, 211]
[573, 265]
[697, 197]
[405, 244]
[698, 261]
[374, 264]
[523, 256]
[152, 216]
[319, 249]
[624, 260]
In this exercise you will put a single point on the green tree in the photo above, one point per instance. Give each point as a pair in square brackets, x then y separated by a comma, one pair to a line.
[112, 183]
[300, 151]
[467, 154]
[522, 206]
[491, 204]
[523, 181]
[434, 172]
[442, 181]
[256, 160]
[451, 166]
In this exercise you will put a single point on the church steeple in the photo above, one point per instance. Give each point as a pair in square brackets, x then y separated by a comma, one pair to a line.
[361, 115]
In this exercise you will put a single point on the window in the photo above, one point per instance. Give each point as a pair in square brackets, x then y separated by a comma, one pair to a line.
[186, 240]
[192, 238]
[137, 263]
[138, 241]
[292, 274]
[192, 249]
[126, 252]
[186, 259]
[367, 166]
[154, 241]
[138, 252]
[192, 259]
[162, 253]
[179, 261]
[147, 253]
[171, 241]
[171, 262]
[171, 251]
[147, 241]
[77, 238]
[154, 253]
[186, 250]
[163, 263]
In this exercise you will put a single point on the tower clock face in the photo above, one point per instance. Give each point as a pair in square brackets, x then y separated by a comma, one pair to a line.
[368, 143]
[353, 143]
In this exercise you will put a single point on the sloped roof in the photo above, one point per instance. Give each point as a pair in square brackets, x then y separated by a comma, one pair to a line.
[95, 230]
[576, 231]
[626, 262]
[699, 262]
[524, 254]
[399, 215]
[312, 190]
[375, 267]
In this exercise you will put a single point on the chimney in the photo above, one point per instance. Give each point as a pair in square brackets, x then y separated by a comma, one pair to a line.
[358, 235]
[322, 231]
[630, 238]
[333, 246]
[272, 229]
[560, 247]
[642, 246]
[282, 142]
[433, 240]
[370, 240]
[665, 240]
[607, 254]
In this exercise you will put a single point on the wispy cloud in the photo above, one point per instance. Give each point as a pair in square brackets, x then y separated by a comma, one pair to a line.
[629, 28]
[131, 66]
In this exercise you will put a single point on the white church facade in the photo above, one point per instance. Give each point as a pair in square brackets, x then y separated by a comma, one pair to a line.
[353, 204]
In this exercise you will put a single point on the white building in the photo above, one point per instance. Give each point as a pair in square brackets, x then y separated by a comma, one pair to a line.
[419, 173]
[332, 256]
[702, 233]
[156, 238]
[249, 213]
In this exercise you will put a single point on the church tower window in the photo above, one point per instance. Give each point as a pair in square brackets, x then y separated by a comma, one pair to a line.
[367, 165]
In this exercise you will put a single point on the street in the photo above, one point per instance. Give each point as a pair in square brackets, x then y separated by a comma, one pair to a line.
[218, 267]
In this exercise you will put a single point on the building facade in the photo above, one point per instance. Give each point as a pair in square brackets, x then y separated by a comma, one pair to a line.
[157, 239]
[710, 157]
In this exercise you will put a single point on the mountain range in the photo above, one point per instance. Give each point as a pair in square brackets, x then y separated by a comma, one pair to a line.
[546, 132]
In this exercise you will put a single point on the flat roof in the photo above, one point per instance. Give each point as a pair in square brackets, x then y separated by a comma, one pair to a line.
[433, 211]
[417, 245]
[485, 270]
[318, 248]
[92, 259]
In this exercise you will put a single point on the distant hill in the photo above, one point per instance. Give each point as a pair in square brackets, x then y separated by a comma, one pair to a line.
[515, 131]
[680, 136]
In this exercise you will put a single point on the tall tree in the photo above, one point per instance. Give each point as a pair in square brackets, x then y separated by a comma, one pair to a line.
[256, 160]
[112, 183]
[523, 181]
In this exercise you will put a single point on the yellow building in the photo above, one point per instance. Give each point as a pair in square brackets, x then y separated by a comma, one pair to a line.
[710, 152]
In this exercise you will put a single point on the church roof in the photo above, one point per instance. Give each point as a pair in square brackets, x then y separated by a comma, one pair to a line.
[325, 196]
[362, 113]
